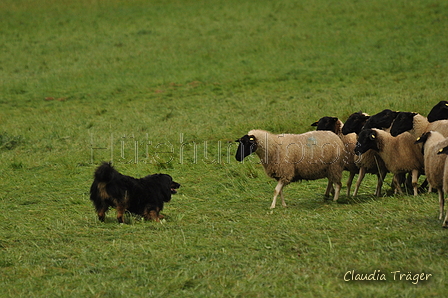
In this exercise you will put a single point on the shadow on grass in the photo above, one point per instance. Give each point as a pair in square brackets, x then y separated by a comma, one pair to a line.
[359, 199]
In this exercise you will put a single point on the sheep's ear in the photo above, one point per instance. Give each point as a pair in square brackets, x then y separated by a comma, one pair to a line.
[315, 123]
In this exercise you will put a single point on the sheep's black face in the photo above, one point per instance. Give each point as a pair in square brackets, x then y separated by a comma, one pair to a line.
[444, 150]
[326, 123]
[381, 120]
[423, 138]
[367, 140]
[439, 111]
[247, 145]
[403, 122]
[354, 123]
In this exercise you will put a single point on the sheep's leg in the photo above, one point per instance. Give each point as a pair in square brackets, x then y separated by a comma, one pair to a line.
[361, 174]
[445, 222]
[283, 198]
[396, 182]
[349, 182]
[337, 190]
[381, 175]
[441, 202]
[278, 191]
[415, 181]
[329, 189]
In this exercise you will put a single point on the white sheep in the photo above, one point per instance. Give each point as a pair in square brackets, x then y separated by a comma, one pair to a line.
[417, 124]
[294, 157]
[335, 125]
[432, 142]
[370, 161]
[400, 154]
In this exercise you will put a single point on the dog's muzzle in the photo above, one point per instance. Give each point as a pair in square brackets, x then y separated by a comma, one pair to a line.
[174, 187]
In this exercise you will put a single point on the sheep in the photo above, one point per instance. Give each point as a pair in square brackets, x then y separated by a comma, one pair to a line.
[417, 124]
[444, 151]
[335, 125]
[370, 161]
[439, 111]
[432, 142]
[382, 120]
[294, 157]
[400, 154]
[355, 123]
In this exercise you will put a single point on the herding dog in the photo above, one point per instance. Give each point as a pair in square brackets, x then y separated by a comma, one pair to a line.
[144, 196]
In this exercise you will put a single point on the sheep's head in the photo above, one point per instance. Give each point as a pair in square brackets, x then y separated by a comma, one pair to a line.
[444, 150]
[326, 123]
[423, 138]
[367, 140]
[381, 120]
[247, 145]
[439, 112]
[354, 123]
[403, 122]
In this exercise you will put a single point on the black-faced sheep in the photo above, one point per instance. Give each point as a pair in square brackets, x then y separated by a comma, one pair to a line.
[294, 157]
[400, 154]
[444, 151]
[382, 120]
[439, 111]
[370, 161]
[355, 122]
[335, 125]
[417, 124]
[434, 163]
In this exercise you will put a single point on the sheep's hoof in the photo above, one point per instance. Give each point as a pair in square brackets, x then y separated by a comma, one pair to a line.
[445, 225]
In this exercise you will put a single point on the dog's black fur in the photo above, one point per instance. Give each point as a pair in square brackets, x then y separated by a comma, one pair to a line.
[144, 196]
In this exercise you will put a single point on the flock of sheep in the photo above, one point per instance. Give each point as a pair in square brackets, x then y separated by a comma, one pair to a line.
[402, 143]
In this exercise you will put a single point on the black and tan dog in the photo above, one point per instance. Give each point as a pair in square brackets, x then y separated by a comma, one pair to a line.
[143, 196]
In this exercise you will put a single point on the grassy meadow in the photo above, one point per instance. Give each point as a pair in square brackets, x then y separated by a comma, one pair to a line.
[167, 86]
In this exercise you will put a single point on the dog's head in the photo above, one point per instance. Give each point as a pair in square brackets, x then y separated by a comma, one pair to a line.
[167, 184]
[174, 187]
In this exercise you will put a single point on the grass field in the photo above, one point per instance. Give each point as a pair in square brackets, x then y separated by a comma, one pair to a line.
[167, 86]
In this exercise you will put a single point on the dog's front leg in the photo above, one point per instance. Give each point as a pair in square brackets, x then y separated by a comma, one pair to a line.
[120, 213]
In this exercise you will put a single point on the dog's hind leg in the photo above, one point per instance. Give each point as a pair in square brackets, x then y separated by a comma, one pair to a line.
[152, 214]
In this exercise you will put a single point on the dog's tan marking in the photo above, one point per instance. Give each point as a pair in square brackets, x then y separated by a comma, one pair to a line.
[102, 190]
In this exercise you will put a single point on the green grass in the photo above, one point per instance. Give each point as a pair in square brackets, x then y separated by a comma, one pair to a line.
[154, 85]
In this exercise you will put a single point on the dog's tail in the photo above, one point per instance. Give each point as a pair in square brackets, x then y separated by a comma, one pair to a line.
[105, 172]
